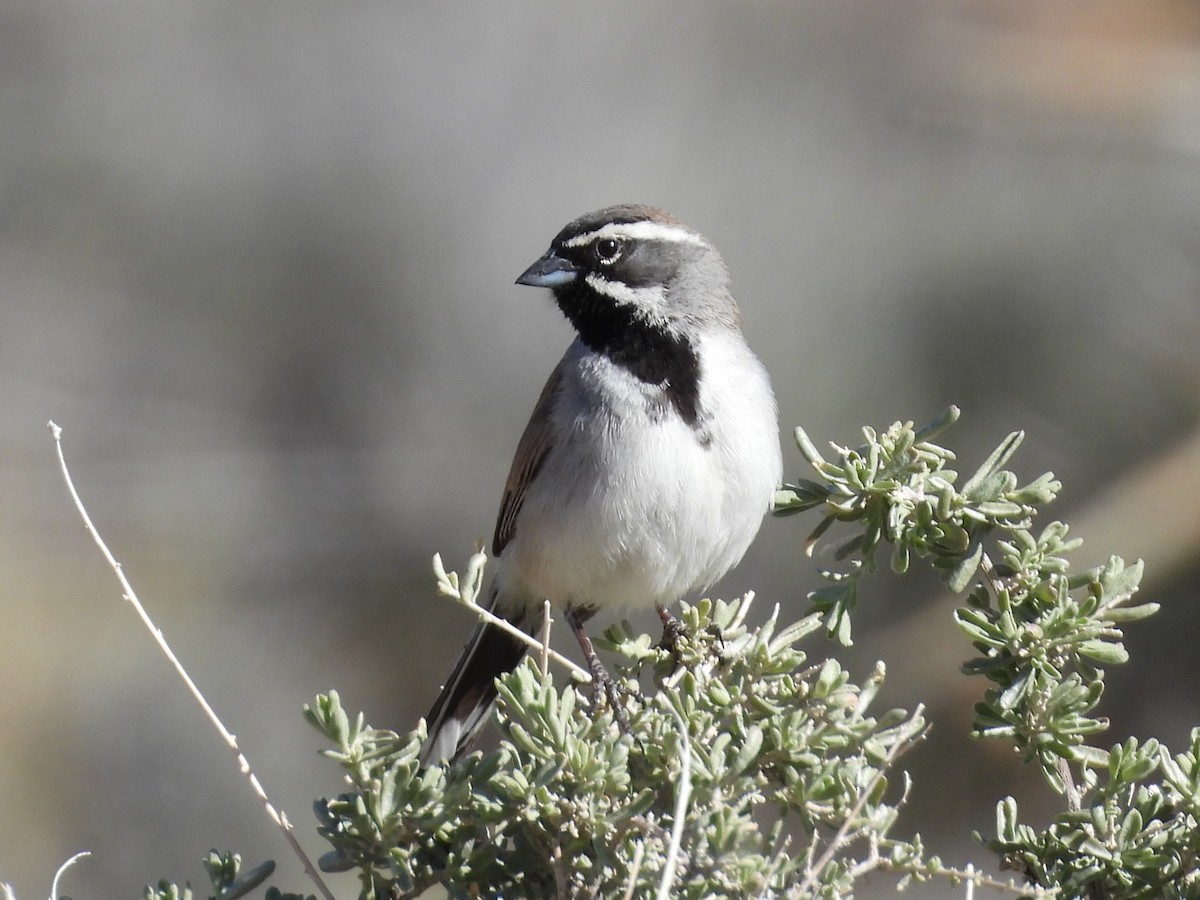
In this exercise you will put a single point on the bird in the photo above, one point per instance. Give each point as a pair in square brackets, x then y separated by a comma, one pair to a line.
[650, 459]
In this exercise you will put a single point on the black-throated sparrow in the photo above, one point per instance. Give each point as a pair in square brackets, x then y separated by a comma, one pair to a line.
[649, 460]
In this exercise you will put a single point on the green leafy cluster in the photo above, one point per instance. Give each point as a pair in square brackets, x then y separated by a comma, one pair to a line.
[1136, 835]
[227, 879]
[898, 490]
[782, 771]
[1041, 634]
[1040, 630]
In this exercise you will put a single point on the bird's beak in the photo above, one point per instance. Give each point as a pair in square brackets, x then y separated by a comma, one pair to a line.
[550, 271]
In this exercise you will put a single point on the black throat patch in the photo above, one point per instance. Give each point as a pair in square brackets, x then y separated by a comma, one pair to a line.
[649, 351]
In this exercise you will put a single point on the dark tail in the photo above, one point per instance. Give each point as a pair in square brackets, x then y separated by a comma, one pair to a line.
[469, 695]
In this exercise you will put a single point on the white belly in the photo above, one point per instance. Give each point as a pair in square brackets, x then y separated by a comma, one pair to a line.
[633, 507]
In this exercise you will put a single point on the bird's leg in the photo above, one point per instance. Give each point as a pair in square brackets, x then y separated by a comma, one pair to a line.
[673, 629]
[604, 687]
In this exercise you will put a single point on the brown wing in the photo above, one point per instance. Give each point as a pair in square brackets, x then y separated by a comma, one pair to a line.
[535, 443]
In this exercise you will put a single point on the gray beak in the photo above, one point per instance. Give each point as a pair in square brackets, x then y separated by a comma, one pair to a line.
[550, 271]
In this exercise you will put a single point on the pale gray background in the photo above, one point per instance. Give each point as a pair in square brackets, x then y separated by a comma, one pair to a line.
[257, 259]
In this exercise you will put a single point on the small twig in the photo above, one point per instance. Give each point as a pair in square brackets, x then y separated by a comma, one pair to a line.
[447, 587]
[968, 875]
[492, 619]
[989, 571]
[1074, 794]
[544, 653]
[560, 874]
[744, 602]
[63, 868]
[635, 869]
[279, 818]
[778, 857]
[683, 793]
[840, 837]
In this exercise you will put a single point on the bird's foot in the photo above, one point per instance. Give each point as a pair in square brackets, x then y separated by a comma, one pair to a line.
[673, 630]
[675, 633]
[606, 689]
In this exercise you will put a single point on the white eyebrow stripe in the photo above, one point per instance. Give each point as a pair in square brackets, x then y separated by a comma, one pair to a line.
[651, 297]
[637, 231]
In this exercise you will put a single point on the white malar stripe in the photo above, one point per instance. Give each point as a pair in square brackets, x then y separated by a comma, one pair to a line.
[651, 297]
[637, 231]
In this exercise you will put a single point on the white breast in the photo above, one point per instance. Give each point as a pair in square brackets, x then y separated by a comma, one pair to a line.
[631, 506]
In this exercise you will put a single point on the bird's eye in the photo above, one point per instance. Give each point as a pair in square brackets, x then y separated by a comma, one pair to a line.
[608, 249]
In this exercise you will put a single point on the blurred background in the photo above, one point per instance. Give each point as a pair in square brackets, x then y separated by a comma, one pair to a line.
[257, 260]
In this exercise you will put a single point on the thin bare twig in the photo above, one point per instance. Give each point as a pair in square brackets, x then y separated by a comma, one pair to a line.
[635, 869]
[550, 653]
[452, 590]
[279, 818]
[63, 868]
[544, 653]
[842, 836]
[989, 570]
[683, 793]
[1074, 794]
[968, 875]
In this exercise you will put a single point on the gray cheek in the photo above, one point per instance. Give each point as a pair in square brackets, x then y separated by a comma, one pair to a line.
[643, 268]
